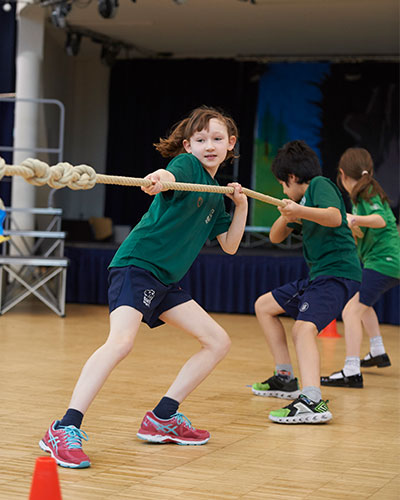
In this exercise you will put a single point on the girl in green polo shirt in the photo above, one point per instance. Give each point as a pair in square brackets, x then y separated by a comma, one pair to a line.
[143, 284]
[379, 251]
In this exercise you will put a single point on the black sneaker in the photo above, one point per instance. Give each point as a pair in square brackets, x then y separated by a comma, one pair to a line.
[277, 387]
[380, 361]
[354, 381]
[302, 411]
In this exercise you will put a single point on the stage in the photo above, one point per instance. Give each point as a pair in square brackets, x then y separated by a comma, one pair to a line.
[218, 282]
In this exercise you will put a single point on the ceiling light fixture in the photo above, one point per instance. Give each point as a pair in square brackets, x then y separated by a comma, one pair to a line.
[59, 14]
[72, 43]
[108, 8]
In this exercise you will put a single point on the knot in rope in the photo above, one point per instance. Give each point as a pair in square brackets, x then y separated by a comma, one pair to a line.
[2, 168]
[84, 177]
[38, 172]
[61, 175]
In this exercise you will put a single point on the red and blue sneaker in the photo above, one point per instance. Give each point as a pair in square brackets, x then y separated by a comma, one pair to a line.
[176, 429]
[65, 445]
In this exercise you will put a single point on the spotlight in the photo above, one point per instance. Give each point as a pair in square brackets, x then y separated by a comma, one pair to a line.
[7, 7]
[109, 54]
[60, 13]
[72, 43]
[108, 8]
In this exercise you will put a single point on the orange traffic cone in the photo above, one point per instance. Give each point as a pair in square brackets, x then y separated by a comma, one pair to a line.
[330, 330]
[45, 484]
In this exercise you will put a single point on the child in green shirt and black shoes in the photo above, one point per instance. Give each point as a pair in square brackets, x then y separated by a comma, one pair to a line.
[334, 277]
[379, 251]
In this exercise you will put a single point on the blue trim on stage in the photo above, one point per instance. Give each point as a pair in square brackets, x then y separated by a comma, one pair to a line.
[218, 282]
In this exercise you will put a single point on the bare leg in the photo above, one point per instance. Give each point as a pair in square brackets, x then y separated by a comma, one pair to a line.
[304, 338]
[370, 322]
[267, 309]
[215, 344]
[352, 315]
[124, 324]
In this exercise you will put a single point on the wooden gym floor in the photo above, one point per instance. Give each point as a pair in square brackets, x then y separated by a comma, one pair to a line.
[355, 456]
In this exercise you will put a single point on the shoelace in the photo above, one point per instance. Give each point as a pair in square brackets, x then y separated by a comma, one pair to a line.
[180, 418]
[75, 436]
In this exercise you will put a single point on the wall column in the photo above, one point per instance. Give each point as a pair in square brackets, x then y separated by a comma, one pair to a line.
[28, 80]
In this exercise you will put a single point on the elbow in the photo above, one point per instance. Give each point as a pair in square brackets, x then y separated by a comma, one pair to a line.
[230, 251]
[274, 238]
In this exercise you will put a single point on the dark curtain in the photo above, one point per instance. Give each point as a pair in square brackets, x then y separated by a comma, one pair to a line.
[147, 97]
[7, 84]
[360, 108]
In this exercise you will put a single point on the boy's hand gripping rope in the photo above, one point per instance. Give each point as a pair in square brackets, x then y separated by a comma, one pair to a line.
[63, 174]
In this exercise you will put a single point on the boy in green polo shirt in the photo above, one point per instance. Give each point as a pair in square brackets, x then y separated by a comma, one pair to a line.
[315, 207]
[143, 284]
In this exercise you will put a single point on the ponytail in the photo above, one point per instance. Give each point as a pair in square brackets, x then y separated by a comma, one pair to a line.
[357, 163]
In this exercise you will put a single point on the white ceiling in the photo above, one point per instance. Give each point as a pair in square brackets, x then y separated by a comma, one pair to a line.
[238, 28]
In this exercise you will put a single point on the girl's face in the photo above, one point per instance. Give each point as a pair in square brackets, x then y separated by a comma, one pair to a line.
[210, 146]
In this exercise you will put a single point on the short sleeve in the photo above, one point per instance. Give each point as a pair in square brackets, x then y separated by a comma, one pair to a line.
[182, 167]
[324, 194]
[221, 225]
[375, 206]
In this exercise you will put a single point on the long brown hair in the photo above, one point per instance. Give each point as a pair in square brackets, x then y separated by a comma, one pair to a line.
[357, 163]
[198, 120]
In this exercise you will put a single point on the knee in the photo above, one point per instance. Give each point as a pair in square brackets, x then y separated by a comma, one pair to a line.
[303, 329]
[262, 305]
[121, 344]
[220, 343]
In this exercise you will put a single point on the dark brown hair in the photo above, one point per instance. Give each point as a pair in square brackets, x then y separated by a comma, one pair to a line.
[198, 120]
[357, 163]
[297, 158]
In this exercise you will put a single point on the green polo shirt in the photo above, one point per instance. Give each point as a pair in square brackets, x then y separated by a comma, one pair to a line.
[172, 232]
[328, 251]
[379, 249]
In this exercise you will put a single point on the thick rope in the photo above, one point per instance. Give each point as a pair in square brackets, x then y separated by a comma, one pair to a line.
[84, 177]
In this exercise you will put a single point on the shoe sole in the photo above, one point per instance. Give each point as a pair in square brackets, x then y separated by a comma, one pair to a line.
[315, 418]
[346, 386]
[169, 439]
[378, 365]
[277, 394]
[82, 465]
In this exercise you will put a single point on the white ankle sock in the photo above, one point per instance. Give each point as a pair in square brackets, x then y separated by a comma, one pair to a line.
[351, 366]
[376, 346]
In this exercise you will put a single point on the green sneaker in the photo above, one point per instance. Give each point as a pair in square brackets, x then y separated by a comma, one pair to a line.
[277, 387]
[302, 411]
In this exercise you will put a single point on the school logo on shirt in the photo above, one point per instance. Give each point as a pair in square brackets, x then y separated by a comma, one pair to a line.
[303, 201]
[148, 296]
[304, 306]
[199, 201]
[209, 216]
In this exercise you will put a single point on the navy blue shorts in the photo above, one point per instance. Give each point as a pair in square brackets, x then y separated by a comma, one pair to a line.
[374, 285]
[135, 287]
[319, 301]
